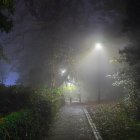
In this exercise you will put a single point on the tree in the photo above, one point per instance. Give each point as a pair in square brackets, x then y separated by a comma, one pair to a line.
[6, 12]
[132, 21]
[129, 75]
[130, 54]
[3, 72]
[6, 24]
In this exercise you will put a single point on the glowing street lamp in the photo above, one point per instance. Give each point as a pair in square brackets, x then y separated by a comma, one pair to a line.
[99, 47]
[63, 71]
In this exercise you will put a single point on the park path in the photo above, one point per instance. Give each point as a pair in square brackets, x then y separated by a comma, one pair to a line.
[71, 124]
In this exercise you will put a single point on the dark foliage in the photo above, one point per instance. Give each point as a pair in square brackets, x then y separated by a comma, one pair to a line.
[130, 54]
[6, 12]
[26, 113]
[132, 20]
[14, 98]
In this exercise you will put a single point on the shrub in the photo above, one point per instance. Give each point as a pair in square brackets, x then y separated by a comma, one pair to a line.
[28, 124]
[30, 112]
[14, 98]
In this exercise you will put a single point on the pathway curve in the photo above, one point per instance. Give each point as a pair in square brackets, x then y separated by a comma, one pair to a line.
[71, 124]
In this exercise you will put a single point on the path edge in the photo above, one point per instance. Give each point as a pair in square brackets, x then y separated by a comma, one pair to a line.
[92, 125]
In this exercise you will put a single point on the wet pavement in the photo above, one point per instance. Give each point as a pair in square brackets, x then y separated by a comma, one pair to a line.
[71, 124]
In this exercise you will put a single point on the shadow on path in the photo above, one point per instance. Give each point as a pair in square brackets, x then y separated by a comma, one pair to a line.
[71, 124]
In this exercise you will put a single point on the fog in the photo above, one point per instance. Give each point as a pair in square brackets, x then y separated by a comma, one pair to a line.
[48, 36]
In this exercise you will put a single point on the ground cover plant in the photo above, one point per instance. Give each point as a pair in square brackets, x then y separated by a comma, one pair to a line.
[116, 121]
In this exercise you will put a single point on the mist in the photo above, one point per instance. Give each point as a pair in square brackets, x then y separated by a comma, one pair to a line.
[48, 36]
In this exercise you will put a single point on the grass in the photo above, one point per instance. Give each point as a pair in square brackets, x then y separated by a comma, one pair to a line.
[116, 121]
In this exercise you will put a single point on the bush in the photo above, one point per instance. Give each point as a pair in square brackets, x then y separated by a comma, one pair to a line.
[14, 98]
[34, 111]
[26, 124]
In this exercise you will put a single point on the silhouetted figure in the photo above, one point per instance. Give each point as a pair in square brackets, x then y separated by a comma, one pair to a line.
[70, 100]
[80, 98]
[62, 99]
[79, 95]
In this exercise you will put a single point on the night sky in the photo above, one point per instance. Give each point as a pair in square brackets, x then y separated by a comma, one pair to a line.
[11, 78]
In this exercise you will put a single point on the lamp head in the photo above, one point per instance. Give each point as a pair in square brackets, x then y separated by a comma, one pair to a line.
[63, 71]
[98, 46]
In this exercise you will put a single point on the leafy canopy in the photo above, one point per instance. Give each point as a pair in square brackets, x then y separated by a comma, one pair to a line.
[6, 12]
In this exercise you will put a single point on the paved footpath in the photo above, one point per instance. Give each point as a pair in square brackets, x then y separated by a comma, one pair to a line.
[71, 124]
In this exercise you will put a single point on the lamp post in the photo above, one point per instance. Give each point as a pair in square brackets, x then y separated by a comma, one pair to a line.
[98, 47]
